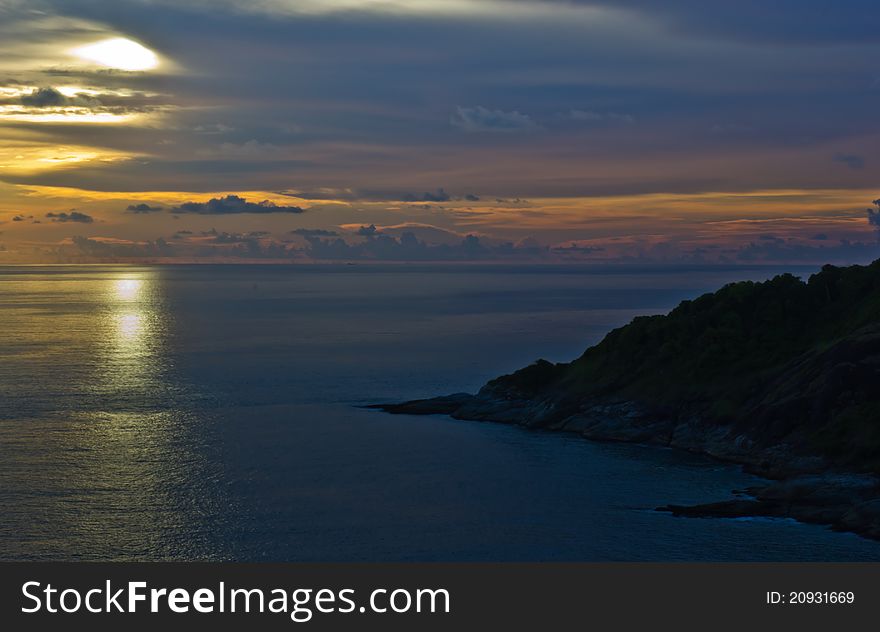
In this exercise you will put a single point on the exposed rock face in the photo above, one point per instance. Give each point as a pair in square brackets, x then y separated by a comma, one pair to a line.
[782, 376]
[847, 503]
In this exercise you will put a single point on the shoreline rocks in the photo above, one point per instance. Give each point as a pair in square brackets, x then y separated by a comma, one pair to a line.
[782, 377]
[801, 487]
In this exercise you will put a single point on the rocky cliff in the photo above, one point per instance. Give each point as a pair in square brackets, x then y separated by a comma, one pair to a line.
[781, 376]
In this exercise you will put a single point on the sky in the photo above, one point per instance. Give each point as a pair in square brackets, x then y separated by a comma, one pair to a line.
[688, 131]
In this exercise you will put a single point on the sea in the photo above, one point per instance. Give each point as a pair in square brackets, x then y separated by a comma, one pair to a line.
[217, 412]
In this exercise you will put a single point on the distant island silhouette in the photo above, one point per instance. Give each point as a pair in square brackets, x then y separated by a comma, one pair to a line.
[781, 376]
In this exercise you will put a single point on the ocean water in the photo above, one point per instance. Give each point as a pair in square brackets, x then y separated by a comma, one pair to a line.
[213, 413]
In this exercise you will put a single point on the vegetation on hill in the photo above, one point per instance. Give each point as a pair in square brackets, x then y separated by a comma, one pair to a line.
[781, 376]
[783, 360]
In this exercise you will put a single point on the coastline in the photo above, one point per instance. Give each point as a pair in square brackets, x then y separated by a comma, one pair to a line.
[780, 377]
[800, 487]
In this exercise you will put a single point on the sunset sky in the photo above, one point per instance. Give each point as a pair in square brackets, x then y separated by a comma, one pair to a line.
[439, 130]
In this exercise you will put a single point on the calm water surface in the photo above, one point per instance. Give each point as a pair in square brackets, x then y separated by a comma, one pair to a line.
[211, 412]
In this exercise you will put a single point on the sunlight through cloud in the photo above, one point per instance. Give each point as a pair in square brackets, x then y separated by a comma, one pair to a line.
[119, 53]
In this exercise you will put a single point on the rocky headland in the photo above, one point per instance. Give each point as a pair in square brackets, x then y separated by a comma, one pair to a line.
[782, 377]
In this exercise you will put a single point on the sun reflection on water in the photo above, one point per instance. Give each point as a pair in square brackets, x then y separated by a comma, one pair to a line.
[129, 327]
[134, 325]
[107, 455]
[129, 289]
[146, 438]
[132, 310]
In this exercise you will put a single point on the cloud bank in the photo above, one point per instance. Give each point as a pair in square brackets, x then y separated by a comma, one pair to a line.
[72, 216]
[234, 205]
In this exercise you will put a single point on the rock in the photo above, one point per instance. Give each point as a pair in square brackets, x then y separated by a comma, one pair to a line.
[781, 377]
[437, 406]
[863, 518]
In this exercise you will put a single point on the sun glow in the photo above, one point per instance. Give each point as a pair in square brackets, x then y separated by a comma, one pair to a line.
[128, 289]
[129, 327]
[119, 53]
[29, 158]
[62, 115]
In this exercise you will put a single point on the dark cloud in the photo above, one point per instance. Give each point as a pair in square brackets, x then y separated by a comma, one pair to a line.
[791, 251]
[378, 195]
[142, 208]
[223, 246]
[314, 232]
[44, 97]
[482, 119]
[385, 122]
[72, 216]
[408, 247]
[850, 160]
[239, 238]
[109, 249]
[874, 216]
[50, 97]
[439, 196]
[802, 22]
[368, 231]
[232, 205]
